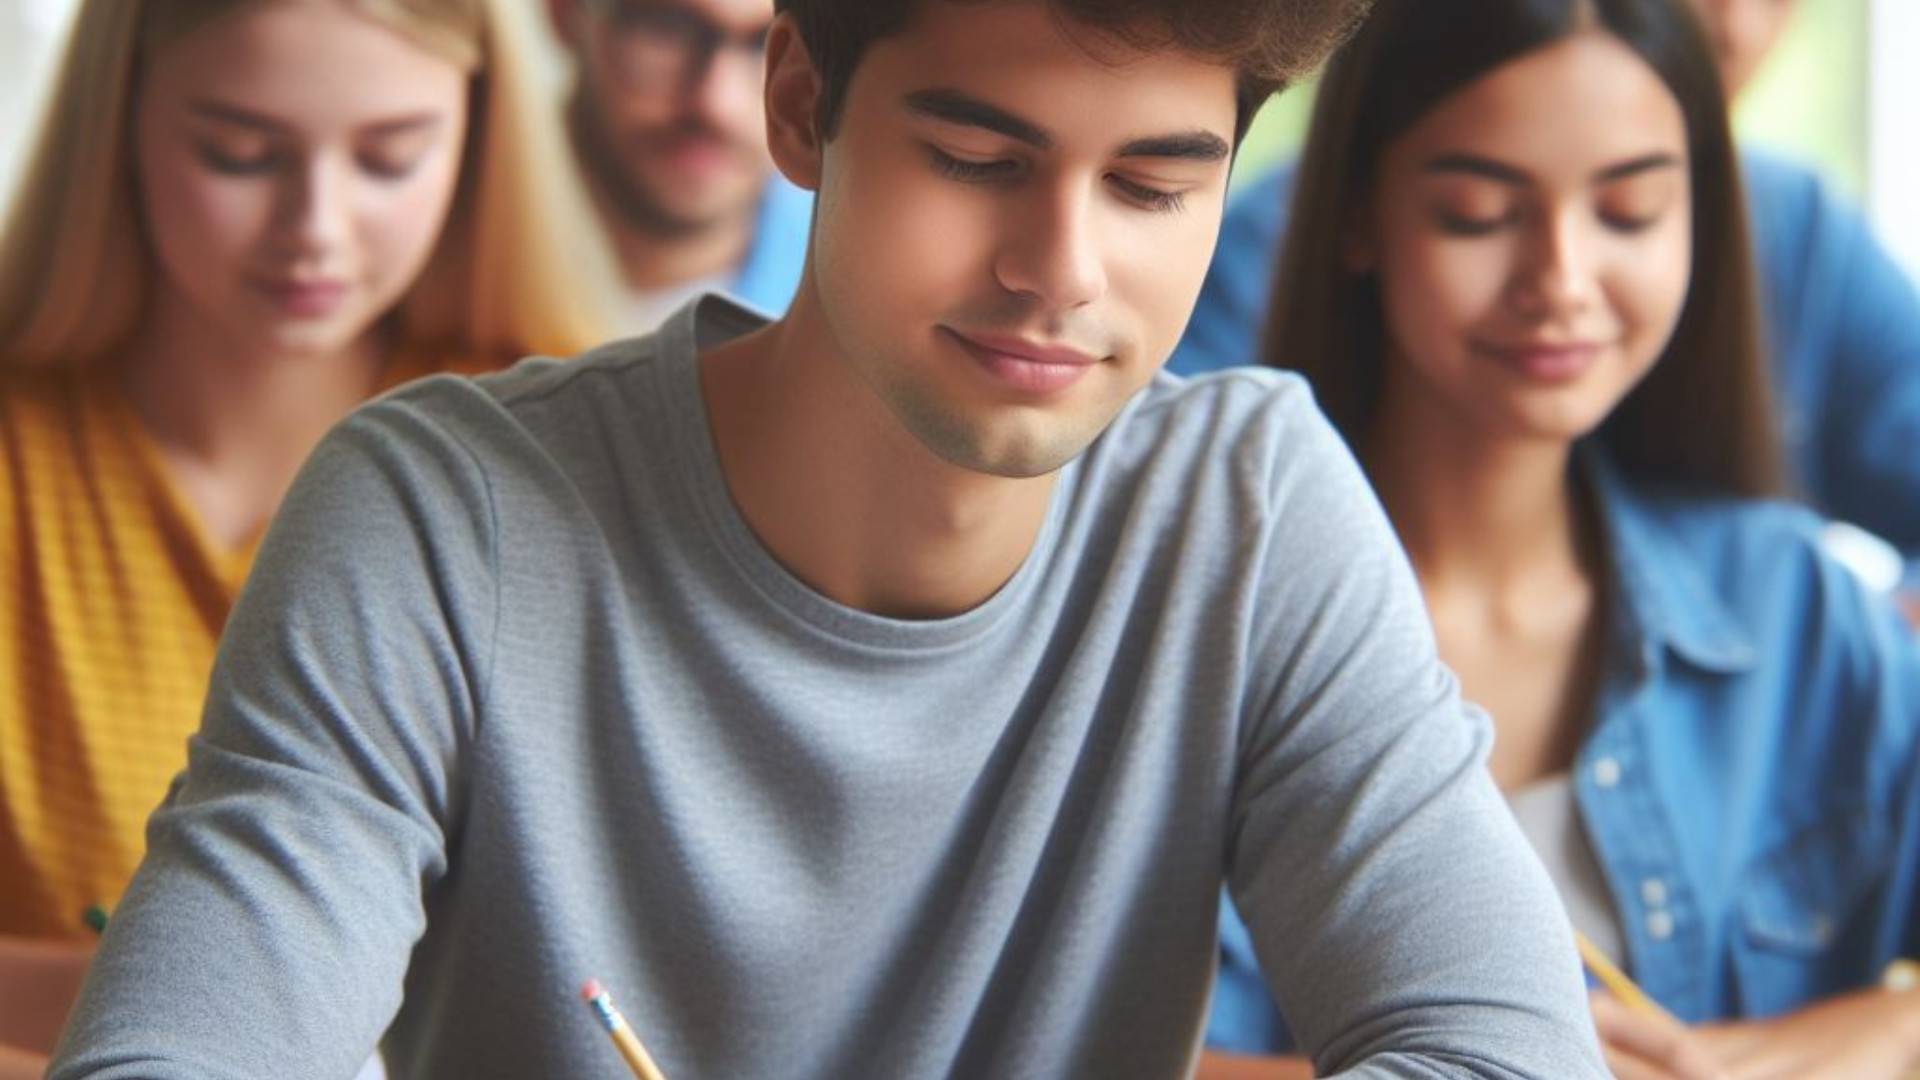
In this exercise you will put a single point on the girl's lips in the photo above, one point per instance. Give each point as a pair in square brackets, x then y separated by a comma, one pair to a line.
[1547, 362]
[308, 299]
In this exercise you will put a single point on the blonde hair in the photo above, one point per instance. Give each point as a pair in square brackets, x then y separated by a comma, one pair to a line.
[516, 268]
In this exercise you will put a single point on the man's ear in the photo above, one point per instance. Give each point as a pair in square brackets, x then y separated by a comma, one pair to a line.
[793, 96]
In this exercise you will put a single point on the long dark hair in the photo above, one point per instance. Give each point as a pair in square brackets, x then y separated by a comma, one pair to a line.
[1703, 415]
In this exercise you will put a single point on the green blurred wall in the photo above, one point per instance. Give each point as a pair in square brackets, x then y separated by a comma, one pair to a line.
[1810, 98]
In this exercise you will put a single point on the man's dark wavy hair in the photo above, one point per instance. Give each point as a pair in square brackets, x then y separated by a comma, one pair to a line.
[1268, 43]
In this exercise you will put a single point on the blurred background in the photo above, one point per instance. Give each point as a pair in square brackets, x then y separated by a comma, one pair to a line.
[1842, 90]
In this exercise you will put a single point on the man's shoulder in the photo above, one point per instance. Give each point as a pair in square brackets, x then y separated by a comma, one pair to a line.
[615, 383]
[1244, 441]
[527, 393]
[1254, 408]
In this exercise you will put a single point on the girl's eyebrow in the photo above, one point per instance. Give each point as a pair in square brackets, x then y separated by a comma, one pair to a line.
[234, 114]
[1474, 165]
[401, 125]
[1488, 169]
[242, 117]
[1636, 166]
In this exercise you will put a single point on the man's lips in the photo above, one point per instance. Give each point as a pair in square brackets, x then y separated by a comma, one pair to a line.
[1023, 349]
[1026, 365]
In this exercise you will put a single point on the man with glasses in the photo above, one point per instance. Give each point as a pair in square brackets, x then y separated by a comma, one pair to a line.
[667, 122]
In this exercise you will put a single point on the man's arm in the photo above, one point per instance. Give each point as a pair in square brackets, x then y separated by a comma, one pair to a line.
[1394, 905]
[269, 928]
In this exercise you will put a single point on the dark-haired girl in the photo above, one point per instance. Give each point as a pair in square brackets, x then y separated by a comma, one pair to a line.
[1519, 282]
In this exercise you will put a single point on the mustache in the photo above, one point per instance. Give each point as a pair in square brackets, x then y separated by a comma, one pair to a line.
[691, 129]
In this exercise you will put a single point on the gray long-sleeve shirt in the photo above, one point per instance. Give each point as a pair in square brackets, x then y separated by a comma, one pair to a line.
[515, 698]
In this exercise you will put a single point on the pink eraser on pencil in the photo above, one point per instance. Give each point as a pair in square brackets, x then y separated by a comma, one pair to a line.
[592, 990]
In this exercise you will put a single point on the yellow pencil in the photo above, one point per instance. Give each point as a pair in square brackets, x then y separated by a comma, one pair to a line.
[624, 1039]
[1614, 979]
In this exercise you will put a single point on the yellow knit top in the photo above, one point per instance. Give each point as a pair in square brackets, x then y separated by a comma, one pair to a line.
[112, 597]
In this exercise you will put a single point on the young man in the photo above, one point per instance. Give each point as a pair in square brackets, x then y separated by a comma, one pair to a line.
[1843, 319]
[886, 691]
[668, 128]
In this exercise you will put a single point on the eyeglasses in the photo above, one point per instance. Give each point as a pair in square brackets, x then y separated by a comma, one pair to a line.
[661, 45]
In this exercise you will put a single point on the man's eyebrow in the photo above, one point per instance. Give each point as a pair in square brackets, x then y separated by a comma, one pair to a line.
[954, 107]
[1187, 146]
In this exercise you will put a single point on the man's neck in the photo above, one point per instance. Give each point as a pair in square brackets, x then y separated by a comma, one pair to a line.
[844, 496]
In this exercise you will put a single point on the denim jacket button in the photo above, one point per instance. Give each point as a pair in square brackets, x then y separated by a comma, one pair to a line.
[1653, 892]
[1606, 772]
[1659, 925]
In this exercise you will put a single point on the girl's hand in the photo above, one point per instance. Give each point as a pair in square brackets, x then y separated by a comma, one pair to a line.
[1870, 1034]
[1640, 1046]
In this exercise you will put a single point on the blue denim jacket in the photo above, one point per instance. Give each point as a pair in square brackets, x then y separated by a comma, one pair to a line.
[1751, 788]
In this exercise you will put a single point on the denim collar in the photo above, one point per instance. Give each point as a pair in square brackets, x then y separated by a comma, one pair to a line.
[1663, 599]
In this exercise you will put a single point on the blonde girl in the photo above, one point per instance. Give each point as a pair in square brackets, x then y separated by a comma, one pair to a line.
[241, 219]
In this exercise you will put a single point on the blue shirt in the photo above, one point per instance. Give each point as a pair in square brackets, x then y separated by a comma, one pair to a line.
[771, 271]
[1750, 786]
[1842, 322]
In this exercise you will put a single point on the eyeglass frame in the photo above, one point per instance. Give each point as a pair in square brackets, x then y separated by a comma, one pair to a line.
[695, 39]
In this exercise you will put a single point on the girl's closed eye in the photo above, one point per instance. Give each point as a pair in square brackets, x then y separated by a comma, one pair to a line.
[240, 158]
[388, 166]
[1465, 224]
[395, 152]
[1637, 204]
[1476, 218]
[1473, 208]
